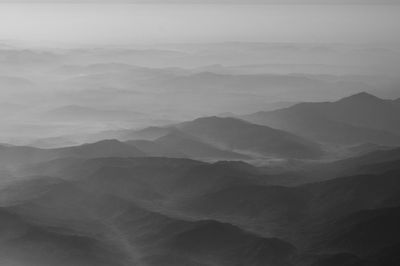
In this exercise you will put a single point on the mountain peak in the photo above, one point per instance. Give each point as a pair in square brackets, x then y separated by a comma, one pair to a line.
[362, 96]
[108, 142]
[217, 119]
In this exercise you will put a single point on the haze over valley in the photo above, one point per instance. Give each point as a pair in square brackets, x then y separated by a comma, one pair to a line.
[199, 134]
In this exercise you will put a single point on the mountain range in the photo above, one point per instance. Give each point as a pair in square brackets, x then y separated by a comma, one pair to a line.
[170, 211]
[230, 134]
[358, 119]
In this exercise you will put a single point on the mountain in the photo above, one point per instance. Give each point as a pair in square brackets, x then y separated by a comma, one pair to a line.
[297, 214]
[79, 225]
[310, 85]
[176, 144]
[195, 148]
[104, 148]
[375, 162]
[238, 135]
[149, 133]
[239, 248]
[154, 149]
[353, 120]
[365, 110]
[12, 156]
[366, 148]
[15, 156]
[365, 231]
[230, 134]
[169, 177]
[329, 196]
[169, 211]
[381, 156]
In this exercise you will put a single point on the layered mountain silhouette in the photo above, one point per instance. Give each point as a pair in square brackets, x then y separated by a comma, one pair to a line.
[360, 118]
[114, 156]
[195, 148]
[176, 144]
[20, 155]
[374, 162]
[86, 226]
[229, 138]
[175, 211]
[154, 149]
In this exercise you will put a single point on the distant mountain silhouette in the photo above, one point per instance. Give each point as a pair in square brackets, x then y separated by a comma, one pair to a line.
[19, 155]
[104, 148]
[149, 133]
[167, 176]
[239, 248]
[154, 149]
[356, 119]
[366, 148]
[298, 213]
[89, 227]
[236, 136]
[373, 162]
[194, 148]
[239, 135]
[170, 210]
[365, 232]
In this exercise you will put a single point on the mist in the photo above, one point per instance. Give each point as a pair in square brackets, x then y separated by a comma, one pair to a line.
[199, 133]
[127, 24]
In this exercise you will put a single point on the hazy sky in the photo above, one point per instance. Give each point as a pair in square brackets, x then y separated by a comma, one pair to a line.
[152, 23]
[218, 1]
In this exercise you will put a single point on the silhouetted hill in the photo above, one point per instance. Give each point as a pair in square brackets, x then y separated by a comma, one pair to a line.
[365, 232]
[374, 162]
[342, 196]
[238, 247]
[149, 133]
[235, 134]
[151, 176]
[28, 243]
[353, 120]
[11, 156]
[86, 226]
[194, 148]
[104, 148]
[154, 149]
[288, 212]
[270, 210]
[374, 157]
[366, 148]
[165, 211]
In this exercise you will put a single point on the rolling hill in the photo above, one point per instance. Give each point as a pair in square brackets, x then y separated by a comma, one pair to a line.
[360, 118]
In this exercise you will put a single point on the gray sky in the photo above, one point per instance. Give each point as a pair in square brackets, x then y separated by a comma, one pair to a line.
[155, 23]
[335, 2]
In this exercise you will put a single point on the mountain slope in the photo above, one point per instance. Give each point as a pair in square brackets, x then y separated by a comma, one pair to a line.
[357, 119]
[365, 232]
[194, 148]
[104, 148]
[13, 156]
[80, 225]
[154, 149]
[235, 134]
